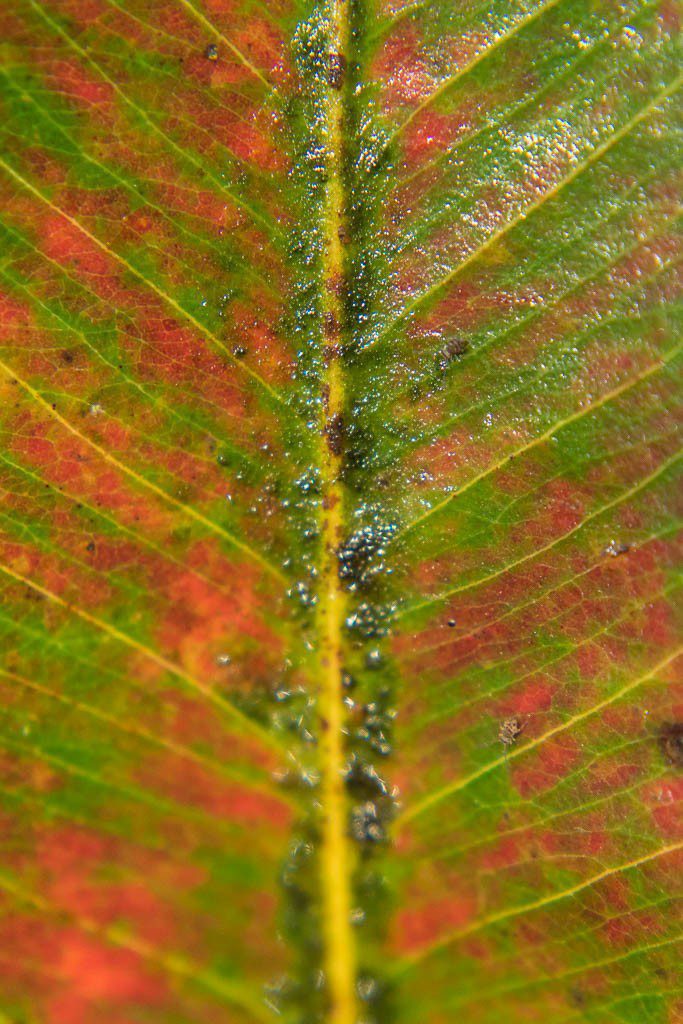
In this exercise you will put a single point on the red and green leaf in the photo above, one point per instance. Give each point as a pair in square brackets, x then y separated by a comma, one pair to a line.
[338, 537]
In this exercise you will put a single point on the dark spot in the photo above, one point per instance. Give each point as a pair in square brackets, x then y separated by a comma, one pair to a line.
[330, 325]
[362, 780]
[452, 350]
[366, 826]
[367, 988]
[90, 546]
[336, 70]
[510, 730]
[451, 623]
[211, 52]
[671, 743]
[334, 434]
[336, 285]
[614, 549]
[302, 594]
[330, 353]
[577, 998]
[343, 234]
[67, 356]
[239, 351]
[370, 620]
[360, 557]
[374, 659]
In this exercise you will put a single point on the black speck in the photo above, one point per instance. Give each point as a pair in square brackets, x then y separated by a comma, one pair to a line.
[211, 52]
[671, 743]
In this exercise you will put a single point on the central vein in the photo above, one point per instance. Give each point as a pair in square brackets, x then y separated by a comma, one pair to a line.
[336, 856]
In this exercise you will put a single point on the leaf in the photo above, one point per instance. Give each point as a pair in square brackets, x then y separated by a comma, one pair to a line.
[338, 547]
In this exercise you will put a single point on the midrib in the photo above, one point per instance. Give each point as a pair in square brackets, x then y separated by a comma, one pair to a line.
[336, 856]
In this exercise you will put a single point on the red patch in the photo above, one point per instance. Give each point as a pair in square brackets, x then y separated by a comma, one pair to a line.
[431, 132]
[504, 854]
[550, 764]
[191, 784]
[424, 925]
[65, 243]
[538, 695]
[665, 800]
[96, 975]
[72, 80]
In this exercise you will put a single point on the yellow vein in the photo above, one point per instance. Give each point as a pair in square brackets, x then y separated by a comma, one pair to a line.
[175, 810]
[336, 858]
[162, 662]
[132, 188]
[644, 482]
[457, 785]
[232, 990]
[528, 908]
[548, 592]
[128, 531]
[224, 39]
[582, 57]
[461, 73]
[596, 1006]
[184, 154]
[164, 296]
[577, 170]
[585, 410]
[548, 979]
[565, 650]
[116, 368]
[453, 852]
[142, 481]
[616, 314]
[179, 749]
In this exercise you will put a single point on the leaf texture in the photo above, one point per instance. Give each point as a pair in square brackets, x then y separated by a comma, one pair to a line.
[339, 550]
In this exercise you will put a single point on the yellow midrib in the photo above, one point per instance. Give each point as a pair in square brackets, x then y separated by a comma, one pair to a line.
[336, 855]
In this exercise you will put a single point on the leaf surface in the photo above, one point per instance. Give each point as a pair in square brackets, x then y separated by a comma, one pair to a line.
[338, 544]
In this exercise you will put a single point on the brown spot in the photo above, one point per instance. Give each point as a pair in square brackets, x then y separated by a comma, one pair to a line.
[509, 731]
[671, 743]
[336, 70]
[330, 325]
[343, 234]
[336, 285]
[453, 349]
[334, 433]
[330, 353]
